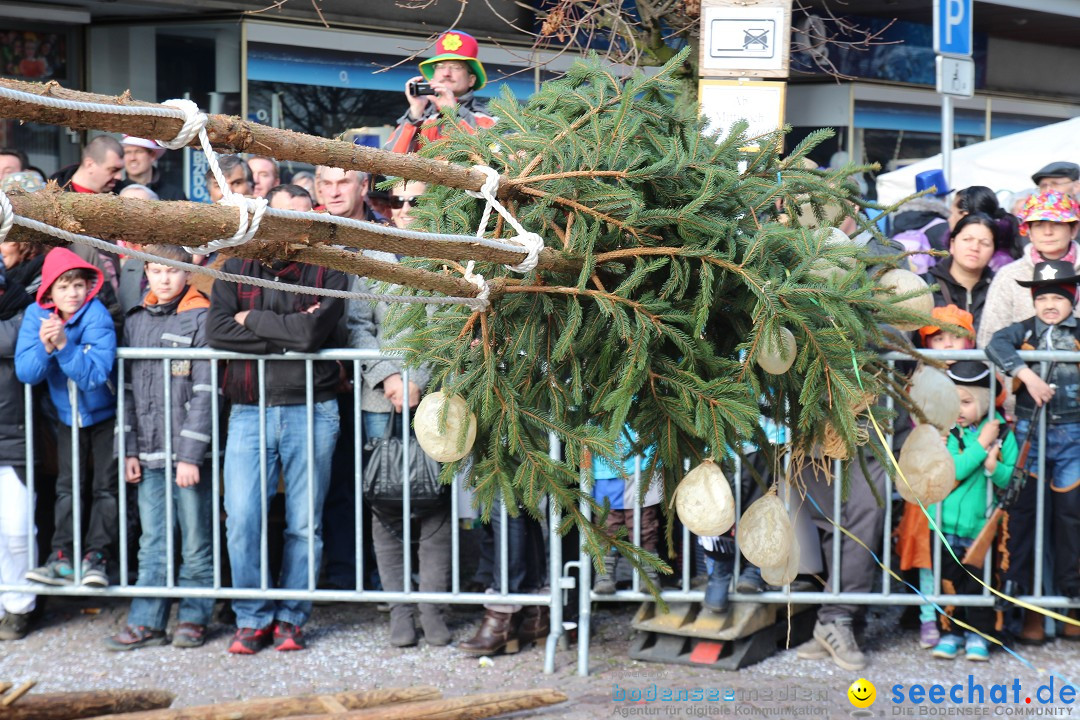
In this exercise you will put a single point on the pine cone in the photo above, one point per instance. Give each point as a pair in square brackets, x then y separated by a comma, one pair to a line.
[692, 8]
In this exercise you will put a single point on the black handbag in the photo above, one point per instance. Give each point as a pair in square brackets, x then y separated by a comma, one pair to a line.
[383, 487]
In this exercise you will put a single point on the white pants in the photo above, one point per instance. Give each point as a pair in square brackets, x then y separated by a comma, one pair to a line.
[16, 522]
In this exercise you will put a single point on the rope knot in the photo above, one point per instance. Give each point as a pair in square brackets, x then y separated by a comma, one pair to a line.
[194, 123]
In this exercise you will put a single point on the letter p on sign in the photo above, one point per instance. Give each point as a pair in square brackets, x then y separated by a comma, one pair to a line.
[952, 27]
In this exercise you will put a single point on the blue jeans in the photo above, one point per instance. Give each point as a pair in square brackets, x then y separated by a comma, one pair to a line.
[1062, 453]
[286, 450]
[192, 511]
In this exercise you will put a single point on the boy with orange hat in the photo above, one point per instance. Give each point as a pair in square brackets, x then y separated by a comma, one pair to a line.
[451, 77]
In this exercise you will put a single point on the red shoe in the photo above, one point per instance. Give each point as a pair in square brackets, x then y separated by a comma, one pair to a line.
[248, 641]
[288, 637]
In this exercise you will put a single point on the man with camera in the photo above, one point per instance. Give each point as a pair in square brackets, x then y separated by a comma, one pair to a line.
[447, 80]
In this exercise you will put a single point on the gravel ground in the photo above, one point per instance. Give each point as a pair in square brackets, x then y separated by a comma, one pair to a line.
[349, 650]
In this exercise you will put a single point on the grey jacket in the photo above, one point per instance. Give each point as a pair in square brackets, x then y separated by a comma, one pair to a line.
[366, 322]
[179, 326]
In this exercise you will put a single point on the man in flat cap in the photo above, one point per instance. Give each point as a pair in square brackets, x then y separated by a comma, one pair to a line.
[1060, 176]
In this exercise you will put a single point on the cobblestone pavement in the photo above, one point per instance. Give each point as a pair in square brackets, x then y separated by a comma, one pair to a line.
[349, 650]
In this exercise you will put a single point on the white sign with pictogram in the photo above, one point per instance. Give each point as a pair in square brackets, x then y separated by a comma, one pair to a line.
[955, 76]
[741, 39]
[759, 102]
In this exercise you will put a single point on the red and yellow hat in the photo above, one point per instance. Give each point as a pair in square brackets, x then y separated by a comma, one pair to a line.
[456, 45]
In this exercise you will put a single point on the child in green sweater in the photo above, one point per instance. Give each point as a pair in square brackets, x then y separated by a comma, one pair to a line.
[982, 450]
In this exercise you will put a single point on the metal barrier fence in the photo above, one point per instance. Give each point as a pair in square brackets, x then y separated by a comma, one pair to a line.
[549, 597]
[560, 579]
[888, 595]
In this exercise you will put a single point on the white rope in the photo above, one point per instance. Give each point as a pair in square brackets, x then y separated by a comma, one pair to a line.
[194, 124]
[529, 241]
[79, 105]
[5, 206]
[8, 216]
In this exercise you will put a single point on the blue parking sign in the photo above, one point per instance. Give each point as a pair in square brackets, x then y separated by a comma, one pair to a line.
[953, 27]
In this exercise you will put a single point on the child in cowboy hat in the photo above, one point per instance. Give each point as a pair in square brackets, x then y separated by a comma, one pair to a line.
[454, 73]
[1054, 327]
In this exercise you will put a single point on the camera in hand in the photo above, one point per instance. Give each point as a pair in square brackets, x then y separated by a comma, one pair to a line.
[421, 88]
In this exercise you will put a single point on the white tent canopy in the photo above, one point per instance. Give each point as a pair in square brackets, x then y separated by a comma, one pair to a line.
[1002, 164]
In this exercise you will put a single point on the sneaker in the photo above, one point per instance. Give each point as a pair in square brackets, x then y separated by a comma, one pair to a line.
[948, 648]
[94, 573]
[929, 636]
[14, 626]
[811, 650]
[248, 641]
[750, 582]
[976, 649]
[189, 635]
[134, 637]
[288, 637]
[604, 582]
[57, 570]
[839, 640]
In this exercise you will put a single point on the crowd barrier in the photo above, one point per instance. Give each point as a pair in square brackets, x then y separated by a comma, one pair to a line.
[575, 573]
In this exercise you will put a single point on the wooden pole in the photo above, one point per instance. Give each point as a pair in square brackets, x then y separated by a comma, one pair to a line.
[467, 707]
[281, 707]
[111, 217]
[69, 706]
[233, 134]
[13, 697]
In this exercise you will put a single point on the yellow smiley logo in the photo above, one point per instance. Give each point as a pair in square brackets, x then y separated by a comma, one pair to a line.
[862, 693]
[452, 42]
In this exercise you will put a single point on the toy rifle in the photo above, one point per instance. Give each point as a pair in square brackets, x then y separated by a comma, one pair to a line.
[976, 553]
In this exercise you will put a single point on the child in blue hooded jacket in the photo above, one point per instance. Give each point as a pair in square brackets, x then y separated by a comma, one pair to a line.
[68, 340]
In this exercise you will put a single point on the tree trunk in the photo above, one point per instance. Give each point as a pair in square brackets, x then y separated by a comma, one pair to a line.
[281, 707]
[232, 134]
[68, 706]
[467, 707]
[150, 221]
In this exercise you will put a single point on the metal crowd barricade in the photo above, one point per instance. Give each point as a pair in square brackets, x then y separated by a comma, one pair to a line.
[559, 575]
[887, 595]
[549, 597]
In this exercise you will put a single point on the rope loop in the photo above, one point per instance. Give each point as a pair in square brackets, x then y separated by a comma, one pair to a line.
[194, 124]
[530, 242]
[8, 218]
[246, 227]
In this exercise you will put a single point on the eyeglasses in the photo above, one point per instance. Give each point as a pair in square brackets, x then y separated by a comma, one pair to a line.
[398, 202]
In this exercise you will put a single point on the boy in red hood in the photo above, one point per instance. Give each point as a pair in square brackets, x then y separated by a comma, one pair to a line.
[68, 340]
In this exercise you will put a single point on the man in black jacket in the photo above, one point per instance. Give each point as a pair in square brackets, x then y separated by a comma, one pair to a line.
[249, 318]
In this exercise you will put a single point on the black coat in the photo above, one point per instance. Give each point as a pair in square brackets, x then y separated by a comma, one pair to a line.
[277, 323]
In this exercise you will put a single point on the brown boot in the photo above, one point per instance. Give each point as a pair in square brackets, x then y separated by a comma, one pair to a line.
[498, 632]
[1072, 632]
[1034, 630]
[535, 623]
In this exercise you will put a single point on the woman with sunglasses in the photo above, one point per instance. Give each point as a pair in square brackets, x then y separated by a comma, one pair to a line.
[403, 197]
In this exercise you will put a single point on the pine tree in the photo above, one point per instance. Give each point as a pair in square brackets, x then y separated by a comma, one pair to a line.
[688, 259]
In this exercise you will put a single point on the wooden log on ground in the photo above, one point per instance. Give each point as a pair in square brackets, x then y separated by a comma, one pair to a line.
[233, 134]
[282, 707]
[95, 703]
[10, 698]
[466, 707]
